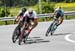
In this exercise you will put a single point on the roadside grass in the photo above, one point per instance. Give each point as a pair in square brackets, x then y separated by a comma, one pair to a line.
[8, 22]
[14, 11]
[66, 6]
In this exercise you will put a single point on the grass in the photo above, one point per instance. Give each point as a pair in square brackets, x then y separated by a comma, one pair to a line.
[66, 6]
[8, 22]
[14, 11]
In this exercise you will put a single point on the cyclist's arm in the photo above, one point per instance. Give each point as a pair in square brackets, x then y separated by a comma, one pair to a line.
[54, 13]
[35, 17]
[18, 16]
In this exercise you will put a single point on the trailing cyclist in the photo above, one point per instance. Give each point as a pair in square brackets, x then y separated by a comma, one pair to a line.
[58, 16]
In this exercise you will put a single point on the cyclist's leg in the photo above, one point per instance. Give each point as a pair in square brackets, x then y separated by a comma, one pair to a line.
[20, 25]
[26, 21]
[60, 20]
[34, 22]
[49, 29]
[54, 26]
[25, 25]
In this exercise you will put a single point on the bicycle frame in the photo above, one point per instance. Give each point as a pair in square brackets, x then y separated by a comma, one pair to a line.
[24, 35]
[52, 27]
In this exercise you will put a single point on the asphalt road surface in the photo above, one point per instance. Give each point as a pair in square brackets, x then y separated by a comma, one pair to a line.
[62, 40]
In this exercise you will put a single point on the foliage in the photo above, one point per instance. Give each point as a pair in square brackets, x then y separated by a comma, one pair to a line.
[10, 3]
[4, 12]
[66, 6]
[47, 7]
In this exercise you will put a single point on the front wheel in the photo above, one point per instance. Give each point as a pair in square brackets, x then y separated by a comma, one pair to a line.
[49, 29]
[15, 35]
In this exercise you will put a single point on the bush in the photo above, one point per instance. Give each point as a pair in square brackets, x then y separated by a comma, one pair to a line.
[2, 12]
[69, 1]
[47, 7]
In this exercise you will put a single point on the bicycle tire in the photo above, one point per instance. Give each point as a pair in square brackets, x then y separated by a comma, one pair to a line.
[15, 35]
[54, 27]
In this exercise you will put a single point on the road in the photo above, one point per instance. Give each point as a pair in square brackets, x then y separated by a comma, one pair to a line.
[62, 40]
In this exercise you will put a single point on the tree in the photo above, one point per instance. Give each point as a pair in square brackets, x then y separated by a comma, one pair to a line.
[3, 13]
[47, 7]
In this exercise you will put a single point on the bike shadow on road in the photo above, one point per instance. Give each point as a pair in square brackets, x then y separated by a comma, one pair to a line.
[32, 40]
[59, 34]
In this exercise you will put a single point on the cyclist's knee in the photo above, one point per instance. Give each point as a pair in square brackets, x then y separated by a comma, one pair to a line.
[36, 23]
[24, 26]
[60, 20]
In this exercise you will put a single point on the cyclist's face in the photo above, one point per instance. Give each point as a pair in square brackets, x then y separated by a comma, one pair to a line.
[30, 13]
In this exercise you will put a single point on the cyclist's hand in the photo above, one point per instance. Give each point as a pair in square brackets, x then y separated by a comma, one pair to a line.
[15, 21]
[32, 23]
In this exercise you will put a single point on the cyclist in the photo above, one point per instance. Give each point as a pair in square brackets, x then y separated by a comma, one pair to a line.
[19, 16]
[30, 17]
[21, 13]
[58, 15]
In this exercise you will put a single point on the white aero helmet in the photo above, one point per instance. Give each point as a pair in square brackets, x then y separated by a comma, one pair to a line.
[30, 11]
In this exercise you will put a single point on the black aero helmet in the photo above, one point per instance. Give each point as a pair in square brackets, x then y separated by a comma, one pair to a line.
[24, 9]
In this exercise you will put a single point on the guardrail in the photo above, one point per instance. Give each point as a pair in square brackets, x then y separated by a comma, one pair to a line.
[39, 16]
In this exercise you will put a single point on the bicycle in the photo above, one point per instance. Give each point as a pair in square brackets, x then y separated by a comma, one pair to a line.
[16, 32]
[23, 36]
[52, 27]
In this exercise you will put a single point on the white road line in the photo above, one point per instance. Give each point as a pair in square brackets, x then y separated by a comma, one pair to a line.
[68, 39]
